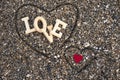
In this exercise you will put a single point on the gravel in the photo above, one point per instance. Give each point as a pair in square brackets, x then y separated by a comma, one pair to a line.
[98, 27]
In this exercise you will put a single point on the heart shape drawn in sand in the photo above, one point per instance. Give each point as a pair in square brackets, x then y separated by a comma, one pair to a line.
[78, 59]
[36, 41]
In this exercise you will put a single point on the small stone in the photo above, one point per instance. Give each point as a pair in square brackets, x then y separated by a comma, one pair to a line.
[107, 6]
[58, 56]
[55, 56]
[86, 44]
[28, 75]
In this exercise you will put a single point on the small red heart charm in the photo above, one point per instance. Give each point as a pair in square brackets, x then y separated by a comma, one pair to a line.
[77, 58]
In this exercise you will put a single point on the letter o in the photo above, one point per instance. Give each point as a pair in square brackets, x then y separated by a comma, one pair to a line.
[43, 22]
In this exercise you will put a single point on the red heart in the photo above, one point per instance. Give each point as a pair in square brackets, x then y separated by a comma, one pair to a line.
[77, 58]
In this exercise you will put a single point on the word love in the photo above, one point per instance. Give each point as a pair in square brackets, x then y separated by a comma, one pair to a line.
[52, 30]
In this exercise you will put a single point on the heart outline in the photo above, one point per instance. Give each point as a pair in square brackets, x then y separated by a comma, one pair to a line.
[81, 51]
[48, 11]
